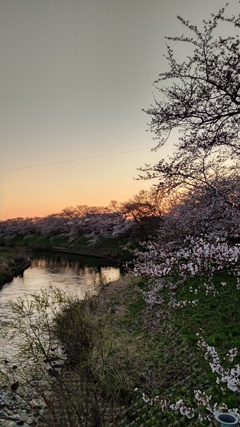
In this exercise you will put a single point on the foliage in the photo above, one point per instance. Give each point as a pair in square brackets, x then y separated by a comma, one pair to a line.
[12, 264]
[82, 370]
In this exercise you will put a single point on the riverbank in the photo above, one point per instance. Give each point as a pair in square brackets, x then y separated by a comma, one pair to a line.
[12, 264]
[125, 356]
[117, 250]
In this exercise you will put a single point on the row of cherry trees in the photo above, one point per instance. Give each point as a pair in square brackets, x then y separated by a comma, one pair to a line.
[114, 220]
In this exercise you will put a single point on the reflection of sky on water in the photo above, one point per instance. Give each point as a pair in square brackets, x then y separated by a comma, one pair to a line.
[110, 274]
[71, 276]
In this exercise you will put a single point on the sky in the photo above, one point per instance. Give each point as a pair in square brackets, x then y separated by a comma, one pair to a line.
[74, 78]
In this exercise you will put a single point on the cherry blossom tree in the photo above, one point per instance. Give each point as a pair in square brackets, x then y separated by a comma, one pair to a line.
[199, 100]
[198, 236]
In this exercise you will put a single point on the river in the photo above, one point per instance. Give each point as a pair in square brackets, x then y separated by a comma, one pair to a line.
[72, 274]
[76, 275]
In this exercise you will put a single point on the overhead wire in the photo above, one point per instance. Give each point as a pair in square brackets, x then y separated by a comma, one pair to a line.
[73, 160]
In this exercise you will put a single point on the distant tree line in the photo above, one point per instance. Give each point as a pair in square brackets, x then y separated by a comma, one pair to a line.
[114, 220]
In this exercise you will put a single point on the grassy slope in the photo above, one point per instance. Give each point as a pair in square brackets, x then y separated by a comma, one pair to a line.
[130, 346]
[12, 263]
[5, 257]
[156, 352]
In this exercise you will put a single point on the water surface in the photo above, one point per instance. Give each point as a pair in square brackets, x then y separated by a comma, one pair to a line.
[79, 276]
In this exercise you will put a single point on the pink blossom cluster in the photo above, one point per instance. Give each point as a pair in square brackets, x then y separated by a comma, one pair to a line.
[229, 376]
[183, 303]
[196, 256]
[183, 409]
[166, 405]
[210, 207]
[205, 409]
[161, 263]
[197, 235]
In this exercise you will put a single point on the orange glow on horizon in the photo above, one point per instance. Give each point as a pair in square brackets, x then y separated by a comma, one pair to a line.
[41, 207]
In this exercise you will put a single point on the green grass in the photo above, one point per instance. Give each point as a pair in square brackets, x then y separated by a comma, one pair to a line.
[120, 344]
[163, 353]
[216, 316]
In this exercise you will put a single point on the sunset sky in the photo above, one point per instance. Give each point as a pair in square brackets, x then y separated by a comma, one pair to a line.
[74, 77]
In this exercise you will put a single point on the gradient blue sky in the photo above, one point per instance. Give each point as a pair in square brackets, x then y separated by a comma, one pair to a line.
[74, 77]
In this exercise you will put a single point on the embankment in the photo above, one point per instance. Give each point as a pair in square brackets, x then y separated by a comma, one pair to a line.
[12, 265]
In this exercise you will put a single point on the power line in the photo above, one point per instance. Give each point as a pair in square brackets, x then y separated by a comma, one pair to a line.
[73, 160]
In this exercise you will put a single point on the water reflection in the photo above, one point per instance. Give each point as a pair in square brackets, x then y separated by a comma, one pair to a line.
[68, 274]
[78, 276]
